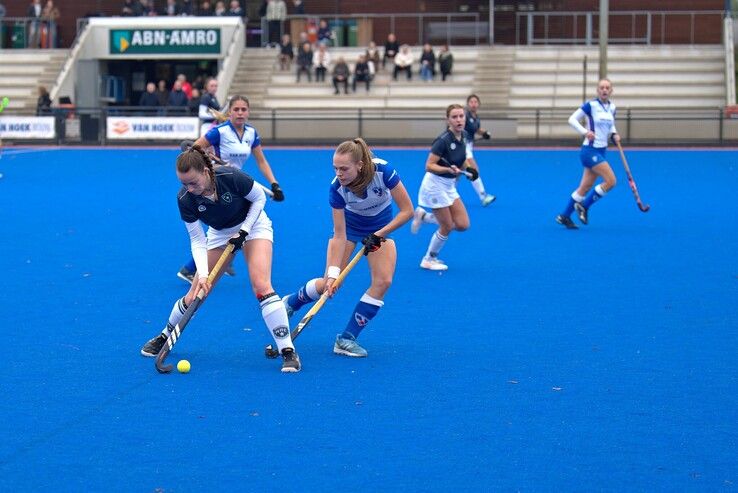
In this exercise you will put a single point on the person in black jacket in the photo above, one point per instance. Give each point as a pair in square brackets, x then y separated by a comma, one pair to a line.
[177, 101]
[445, 62]
[148, 98]
[304, 61]
[391, 47]
[341, 75]
[43, 106]
[362, 73]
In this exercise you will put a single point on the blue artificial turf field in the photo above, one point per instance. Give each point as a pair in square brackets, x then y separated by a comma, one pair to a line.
[544, 359]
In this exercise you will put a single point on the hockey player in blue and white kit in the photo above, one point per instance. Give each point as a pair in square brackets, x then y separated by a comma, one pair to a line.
[361, 198]
[599, 114]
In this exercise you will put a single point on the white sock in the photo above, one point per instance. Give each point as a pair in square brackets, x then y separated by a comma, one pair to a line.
[577, 197]
[600, 191]
[436, 243]
[479, 187]
[178, 310]
[275, 317]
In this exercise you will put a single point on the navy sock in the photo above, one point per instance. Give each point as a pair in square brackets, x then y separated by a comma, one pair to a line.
[365, 310]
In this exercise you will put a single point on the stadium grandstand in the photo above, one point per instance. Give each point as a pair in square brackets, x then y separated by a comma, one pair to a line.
[530, 62]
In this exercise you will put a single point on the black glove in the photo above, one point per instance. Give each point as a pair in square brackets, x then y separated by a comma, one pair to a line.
[278, 193]
[473, 173]
[486, 135]
[237, 241]
[372, 243]
[185, 145]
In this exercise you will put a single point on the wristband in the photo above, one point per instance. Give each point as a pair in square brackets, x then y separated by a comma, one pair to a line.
[334, 272]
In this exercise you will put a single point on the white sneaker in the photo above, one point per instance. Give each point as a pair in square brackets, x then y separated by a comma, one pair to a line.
[431, 263]
[488, 199]
[418, 217]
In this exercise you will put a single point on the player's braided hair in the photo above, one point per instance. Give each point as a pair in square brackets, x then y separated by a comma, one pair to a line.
[195, 158]
[359, 151]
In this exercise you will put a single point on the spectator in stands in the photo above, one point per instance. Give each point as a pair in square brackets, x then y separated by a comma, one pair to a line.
[341, 75]
[50, 15]
[187, 8]
[209, 101]
[43, 105]
[35, 9]
[299, 7]
[276, 13]
[403, 62]
[162, 93]
[205, 10]
[390, 49]
[445, 62]
[235, 10]
[193, 105]
[149, 9]
[220, 9]
[321, 61]
[362, 72]
[130, 8]
[304, 61]
[171, 9]
[2, 11]
[325, 34]
[177, 101]
[427, 63]
[148, 98]
[372, 55]
[286, 52]
[186, 86]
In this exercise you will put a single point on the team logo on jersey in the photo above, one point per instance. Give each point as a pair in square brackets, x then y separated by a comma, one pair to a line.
[201, 208]
[453, 145]
[226, 197]
[360, 319]
[377, 191]
[281, 332]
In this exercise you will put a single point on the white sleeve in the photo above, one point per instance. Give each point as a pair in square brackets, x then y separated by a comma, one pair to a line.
[257, 197]
[203, 113]
[199, 246]
[574, 121]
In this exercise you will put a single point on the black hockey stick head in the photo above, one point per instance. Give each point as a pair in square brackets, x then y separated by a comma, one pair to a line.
[160, 366]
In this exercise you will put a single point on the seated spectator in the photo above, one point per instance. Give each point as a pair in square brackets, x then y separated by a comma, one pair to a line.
[403, 62]
[162, 93]
[186, 7]
[148, 98]
[43, 105]
[362, 73]
[325, 34]
[205, 10]
[172, 8]
[390, 49]
[220, 9]
[299, 7]
[235, 10]
[149, 8]
[304, 61]
[321, 61]
[131, 8]
[177, 101]
[286, 53]
[427, 63]
[193, 105]
[341, 75]
[445, 62]
[186, 86]
[372, 55]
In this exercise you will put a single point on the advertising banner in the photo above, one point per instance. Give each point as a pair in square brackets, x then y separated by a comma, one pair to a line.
[152, 127]
[164, 41]
[27, 127]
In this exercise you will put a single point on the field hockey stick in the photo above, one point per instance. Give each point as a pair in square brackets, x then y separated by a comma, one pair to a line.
[176, 332]
[220, 116]
[186, 144]
[631, 181]
[269, 350]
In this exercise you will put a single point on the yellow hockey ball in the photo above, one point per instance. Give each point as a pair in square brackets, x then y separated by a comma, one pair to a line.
[183, 366]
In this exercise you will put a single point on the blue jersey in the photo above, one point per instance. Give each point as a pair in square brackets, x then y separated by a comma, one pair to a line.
[372, 211]
[231, 148]
[600, 119]
[452, 152]
[230, 207]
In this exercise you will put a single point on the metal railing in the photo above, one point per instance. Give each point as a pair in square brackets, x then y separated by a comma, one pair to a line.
[703, 126]
[627, 27]
[27, 32]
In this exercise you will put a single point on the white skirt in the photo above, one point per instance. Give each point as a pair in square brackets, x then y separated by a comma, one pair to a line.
[437, 192]
[262, 229]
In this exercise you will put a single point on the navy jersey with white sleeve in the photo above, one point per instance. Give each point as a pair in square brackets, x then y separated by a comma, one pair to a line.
[370, 213]
[238, 205]
[231, 148]
[208, 101]
[600, 119]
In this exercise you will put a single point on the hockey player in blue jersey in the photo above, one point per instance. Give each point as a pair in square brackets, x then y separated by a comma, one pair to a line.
[360, 197]
[599, 116]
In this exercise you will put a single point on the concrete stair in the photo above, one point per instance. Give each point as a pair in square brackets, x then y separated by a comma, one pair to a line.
[23, 71]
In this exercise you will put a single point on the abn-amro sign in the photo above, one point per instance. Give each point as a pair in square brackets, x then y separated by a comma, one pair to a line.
[160, 41]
